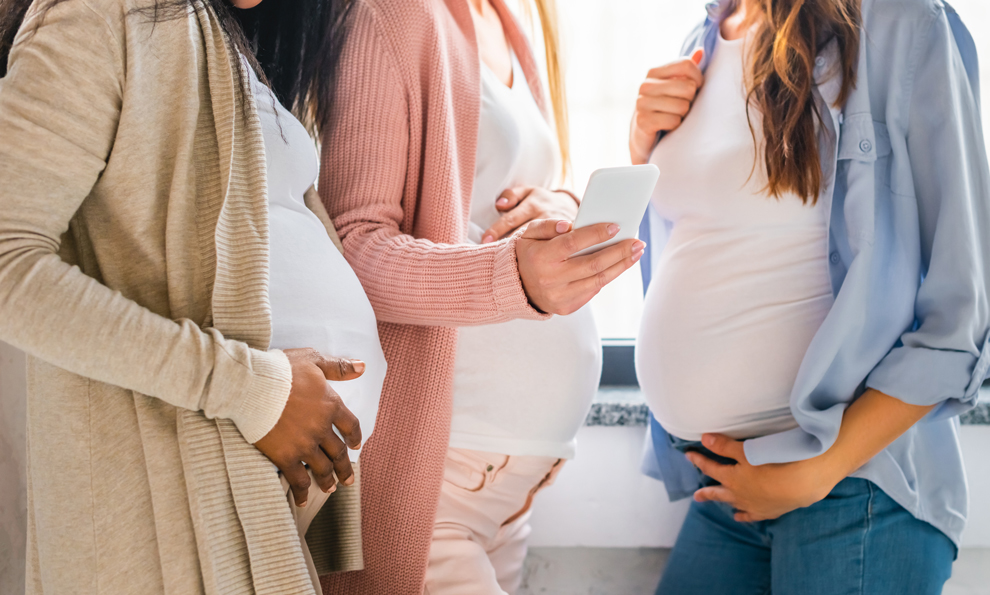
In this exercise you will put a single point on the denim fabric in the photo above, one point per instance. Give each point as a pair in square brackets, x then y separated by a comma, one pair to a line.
[855, 541]
[907, 190]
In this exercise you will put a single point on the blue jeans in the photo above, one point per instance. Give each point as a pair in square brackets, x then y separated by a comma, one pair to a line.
[855, 541]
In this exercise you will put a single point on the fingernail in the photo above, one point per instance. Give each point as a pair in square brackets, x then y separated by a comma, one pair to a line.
[349, 481]
[638, 246]
[358, 365]
[331, 489]
[613, 229]
[502, 202]
[303, 505]
[707, 440]
[488, 238]
[636, 256]
[563, 226]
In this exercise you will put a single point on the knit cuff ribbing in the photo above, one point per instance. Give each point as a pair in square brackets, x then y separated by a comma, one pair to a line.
[510, 297]
[262, 404]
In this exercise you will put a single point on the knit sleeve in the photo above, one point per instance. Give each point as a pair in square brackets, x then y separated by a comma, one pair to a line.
[59, 112]
[369, 162]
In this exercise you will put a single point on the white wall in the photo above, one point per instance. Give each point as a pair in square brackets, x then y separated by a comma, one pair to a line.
[13, 499]
[602, 500]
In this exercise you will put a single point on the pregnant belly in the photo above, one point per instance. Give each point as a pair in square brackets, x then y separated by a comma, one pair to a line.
[525, 378]
[726, 324]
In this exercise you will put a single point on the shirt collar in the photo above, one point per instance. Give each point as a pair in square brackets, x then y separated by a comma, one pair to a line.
[717, 9]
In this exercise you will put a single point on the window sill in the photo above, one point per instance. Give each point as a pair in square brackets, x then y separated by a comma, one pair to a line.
[624, 406]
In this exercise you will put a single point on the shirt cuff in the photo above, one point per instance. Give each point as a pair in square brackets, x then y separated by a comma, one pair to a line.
[261, 406]
[924, 377]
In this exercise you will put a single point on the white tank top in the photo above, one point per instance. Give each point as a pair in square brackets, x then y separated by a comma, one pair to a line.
[742, 285]
[316, 299]
[521, 387]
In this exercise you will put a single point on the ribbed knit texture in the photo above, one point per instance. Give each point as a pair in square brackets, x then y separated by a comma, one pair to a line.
[251, 533]
[134, 271]
[398, 168]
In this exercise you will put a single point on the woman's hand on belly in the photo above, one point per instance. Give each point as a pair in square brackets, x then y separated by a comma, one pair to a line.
[761, 492]
[869, 425]
[304, 433]
[557, 282]
[521, 205]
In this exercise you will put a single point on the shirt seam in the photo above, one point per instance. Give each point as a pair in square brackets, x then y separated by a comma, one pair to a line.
[911, 78]
[115, 46]
[389, 53]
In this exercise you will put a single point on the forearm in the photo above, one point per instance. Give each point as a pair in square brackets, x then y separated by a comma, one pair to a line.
[58, 314]
[414, 281]
[869, 425]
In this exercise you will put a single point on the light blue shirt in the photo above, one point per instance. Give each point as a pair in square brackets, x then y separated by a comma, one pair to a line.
[908, 192]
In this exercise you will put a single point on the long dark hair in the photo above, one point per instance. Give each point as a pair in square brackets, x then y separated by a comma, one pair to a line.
[788, 37]
[294, 45]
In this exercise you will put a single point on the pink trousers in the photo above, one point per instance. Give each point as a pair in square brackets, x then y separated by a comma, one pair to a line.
[482, 523]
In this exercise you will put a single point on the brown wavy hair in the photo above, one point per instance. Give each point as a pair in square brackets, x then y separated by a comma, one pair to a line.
[788, 36]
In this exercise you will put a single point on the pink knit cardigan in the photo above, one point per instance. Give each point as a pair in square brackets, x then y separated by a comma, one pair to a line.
[397, 175]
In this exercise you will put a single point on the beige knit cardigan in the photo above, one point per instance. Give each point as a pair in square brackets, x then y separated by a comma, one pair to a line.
[133, 271]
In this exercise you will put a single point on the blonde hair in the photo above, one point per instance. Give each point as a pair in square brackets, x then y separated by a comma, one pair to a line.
[547, 13]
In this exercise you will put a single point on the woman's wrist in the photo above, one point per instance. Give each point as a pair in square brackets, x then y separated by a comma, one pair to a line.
[828, 470]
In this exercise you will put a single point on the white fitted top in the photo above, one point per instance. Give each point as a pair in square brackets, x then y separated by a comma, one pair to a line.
[742, 285]
[521, 387]
[316, 299]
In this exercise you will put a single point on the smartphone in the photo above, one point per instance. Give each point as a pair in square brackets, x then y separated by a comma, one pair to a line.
[617, 195]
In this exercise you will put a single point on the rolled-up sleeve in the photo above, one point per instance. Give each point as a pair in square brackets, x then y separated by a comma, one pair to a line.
[944, 358]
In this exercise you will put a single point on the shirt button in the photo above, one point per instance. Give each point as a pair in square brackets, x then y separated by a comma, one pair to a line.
[834, 258]
[820, 61]
[865, 146]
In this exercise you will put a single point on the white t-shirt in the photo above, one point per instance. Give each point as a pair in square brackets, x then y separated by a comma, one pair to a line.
[521, 387]
[742, 285]
[316, 299]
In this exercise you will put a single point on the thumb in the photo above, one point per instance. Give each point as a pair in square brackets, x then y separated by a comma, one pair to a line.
[698, 56]
[338, 368]
[546, 229]
[725, 446]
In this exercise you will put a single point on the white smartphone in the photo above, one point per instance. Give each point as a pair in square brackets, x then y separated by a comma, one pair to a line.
[617, 195]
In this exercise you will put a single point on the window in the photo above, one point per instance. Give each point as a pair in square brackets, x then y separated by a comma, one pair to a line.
[608, 49]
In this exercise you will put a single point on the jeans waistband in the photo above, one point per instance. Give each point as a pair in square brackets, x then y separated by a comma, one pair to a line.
[687, 446]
